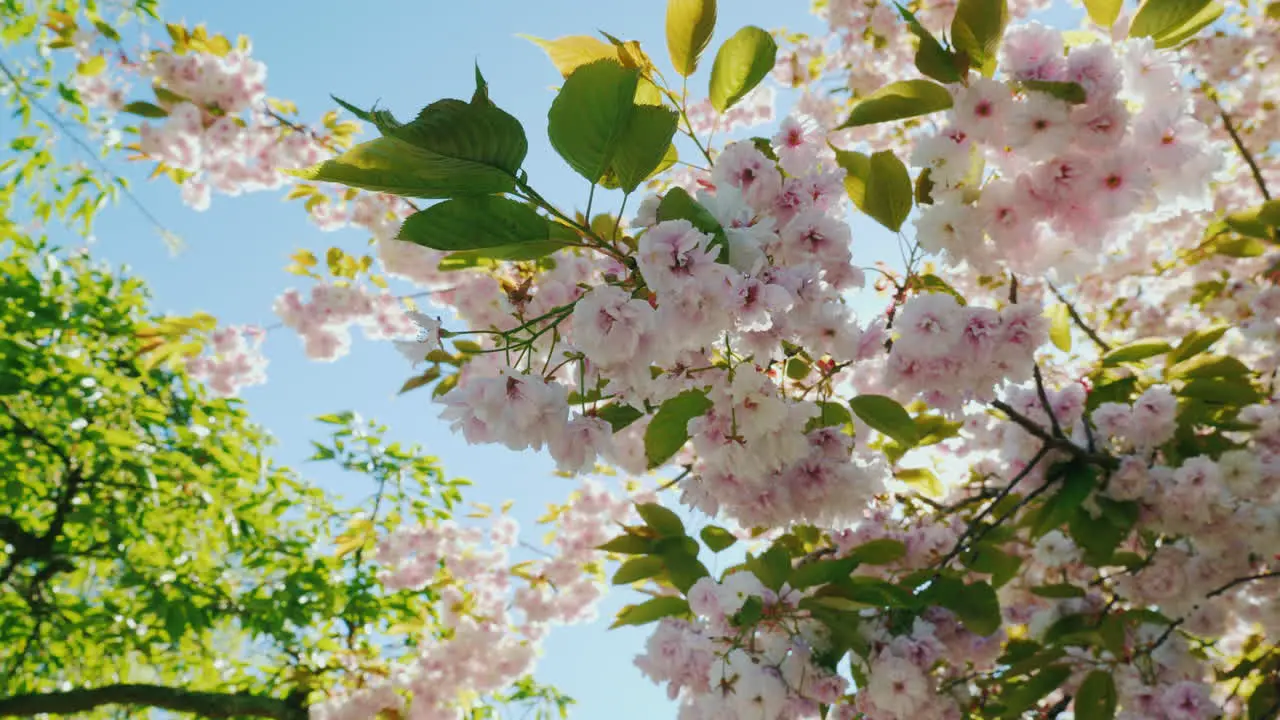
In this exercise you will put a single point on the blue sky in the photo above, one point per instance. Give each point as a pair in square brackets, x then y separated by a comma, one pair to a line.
[402, 55]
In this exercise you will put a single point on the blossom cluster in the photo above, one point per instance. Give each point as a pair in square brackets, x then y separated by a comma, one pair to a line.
[493, 613]
[1061, 179]
[719, 670]
[234, 360]
[324, 321]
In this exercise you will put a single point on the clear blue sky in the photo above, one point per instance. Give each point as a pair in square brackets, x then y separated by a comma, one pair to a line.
[403, 55]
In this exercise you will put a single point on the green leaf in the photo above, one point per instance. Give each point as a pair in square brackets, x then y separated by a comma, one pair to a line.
[394, 166]
[990, 560]
[1096, 698]
[975, 604]
[628, 545]
[489, 224]
[1071, 92]
[1236, 390]
[1076, 485]
[1169, 22]
[1021, 697]
[831, 414]
[741, 63]
[689, 27]
[677, 204]
[683, 569]
[878, 185]
[1259, 222]
[878, 552]
[477, 133]
[636, 569]
[1205, 366]
[1135, 351]
[902, 99]
[931, 58]
[885, 415]
[643, 145]
[589, 117]
[1196, 342]
[750, 613]
[1210, 12]
[772, 567]
[1060, 327]
[661, 520]
[921, 479]
[717, 538]
[1265, 700]
[821, 572]
[618, 415]
[26, 142]
[977, 29]
[1058, 591]
[650, 611]
[145, 109]
[1104, 12]
[668, 431]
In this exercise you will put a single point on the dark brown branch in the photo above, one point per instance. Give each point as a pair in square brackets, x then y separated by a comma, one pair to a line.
[1056, 443]
[1079, 321]
[201, 704]
[1044, 402]
[1243, 580]
[974, 528]
[1244, 152]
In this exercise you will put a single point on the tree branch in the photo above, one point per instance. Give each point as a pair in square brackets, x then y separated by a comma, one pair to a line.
[1056, 443]
[1244, 152]
[1079, 321]
[202, 704]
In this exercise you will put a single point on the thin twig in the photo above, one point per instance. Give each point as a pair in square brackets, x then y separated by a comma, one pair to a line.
[1243, 580]
[1244, 152]
[1079, 321]
[1056, 443]
[93, 156]
[1044, 401]
[973, 527]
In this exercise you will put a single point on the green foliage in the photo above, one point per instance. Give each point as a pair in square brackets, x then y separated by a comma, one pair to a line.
[394, 166]
[886, 416]
[1171, 22]
[1067, 91]
[977, 29]
[1104, 12]
[717, 538]
[898, 100]
[589, 116]
[878, 185]
[689, 27]
[1096, 698]
[497, 226]
[742, 62]
[644, 145]
[1136, 351]
[669, 429]
[932, 58]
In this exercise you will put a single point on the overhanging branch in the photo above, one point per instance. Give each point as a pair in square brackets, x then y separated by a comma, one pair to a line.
[202, 704]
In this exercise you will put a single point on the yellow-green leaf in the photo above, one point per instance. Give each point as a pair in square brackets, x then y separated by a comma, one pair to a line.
[573, 51]
[689, 27]
[92, 66]
[741, 63]
[1060, 327]
[902, 99]
[1103, 12]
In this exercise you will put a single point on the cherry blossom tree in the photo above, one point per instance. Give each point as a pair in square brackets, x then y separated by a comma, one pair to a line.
[1042, 480]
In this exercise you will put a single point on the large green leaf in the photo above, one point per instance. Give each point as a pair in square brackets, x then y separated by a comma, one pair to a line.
[668, 431]
[661, 520]
[394, 166]
[1169, 22]
[481, 223]
[476, 132]
[932, 59]
[651, 610]
[677, 204]
[887, 416]
[638, 568]
[643, 146]
[878, 186]
[590, 115]
[977, 29]
[975, 604]
[895, 101]
[689, 27]
[741, 63]
[1136, 351]
[1096, 698]
[1104, 12]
